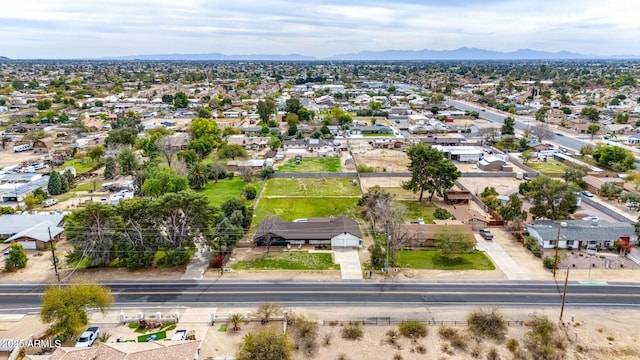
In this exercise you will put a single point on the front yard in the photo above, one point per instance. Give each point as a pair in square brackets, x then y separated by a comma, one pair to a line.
[547, 167]
[288, 260]
[432, 260]
[311, 187]
[224, 189]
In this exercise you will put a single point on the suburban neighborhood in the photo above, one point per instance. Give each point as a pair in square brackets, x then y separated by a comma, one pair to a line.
[351, 172]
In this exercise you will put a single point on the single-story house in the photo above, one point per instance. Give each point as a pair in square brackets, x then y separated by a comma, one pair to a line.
[494, 163]
[31, 231]
[37, 237]
[339, 231]
[423, 235]
[169, 350]
[581, 233]
[594, 184]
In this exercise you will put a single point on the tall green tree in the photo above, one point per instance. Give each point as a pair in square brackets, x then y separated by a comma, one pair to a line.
[163, 180]
[591, 113]
[552, 199]
[265, 108]
[508, 127]
[430, 171]
[65, 308]
[205, 136]
[180, 100]
[513, 209]
[292, 105]
[54, 187]
[616, 157]
[110, 168]
[187, 217]
[197, 176]
[127, 160]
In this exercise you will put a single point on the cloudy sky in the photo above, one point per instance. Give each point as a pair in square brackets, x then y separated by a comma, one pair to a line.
[90, 29]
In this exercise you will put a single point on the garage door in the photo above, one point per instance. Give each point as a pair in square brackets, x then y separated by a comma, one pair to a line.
[28, 245]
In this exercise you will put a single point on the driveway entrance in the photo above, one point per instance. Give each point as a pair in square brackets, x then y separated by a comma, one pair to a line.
[349, 263]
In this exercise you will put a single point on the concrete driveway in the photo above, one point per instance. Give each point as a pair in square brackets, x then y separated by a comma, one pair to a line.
[349, 263]
[502, 260]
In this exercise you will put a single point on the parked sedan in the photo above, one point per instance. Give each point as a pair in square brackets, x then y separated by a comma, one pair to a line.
[587, 193]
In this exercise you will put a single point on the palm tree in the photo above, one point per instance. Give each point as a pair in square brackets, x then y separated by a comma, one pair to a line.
[197, 175]
[235, 319]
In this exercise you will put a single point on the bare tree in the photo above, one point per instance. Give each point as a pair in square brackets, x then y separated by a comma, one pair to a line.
[166, 150]
[542, 132]
[266, 311]
[489, 134]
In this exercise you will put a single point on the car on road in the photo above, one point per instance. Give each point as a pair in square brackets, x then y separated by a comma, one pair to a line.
[587, 193]
[421, 221]
[632, 204]
[88, 337]
[486, 234]
[591, 218]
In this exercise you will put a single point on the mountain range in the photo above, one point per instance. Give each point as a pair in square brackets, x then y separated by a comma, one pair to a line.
[463, 53]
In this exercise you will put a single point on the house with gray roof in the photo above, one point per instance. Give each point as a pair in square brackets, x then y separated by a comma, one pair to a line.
[339, 231]
[581, 233]
[31, 231]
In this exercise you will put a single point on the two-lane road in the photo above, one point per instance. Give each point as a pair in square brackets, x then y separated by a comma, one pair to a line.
[18, 297]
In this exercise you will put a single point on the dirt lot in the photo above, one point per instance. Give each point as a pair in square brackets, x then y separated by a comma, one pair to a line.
[591, 333]
[8, 157]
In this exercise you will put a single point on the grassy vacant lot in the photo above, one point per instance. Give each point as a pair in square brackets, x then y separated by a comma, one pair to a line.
[224, 190]
[86, 187]
[311, 187]
[81, 166]
[431, 260]
[311, 165]
[548, 167]
[416, 210]
[290, 208]
[289, 260]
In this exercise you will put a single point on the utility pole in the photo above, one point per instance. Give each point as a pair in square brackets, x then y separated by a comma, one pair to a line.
[53, 252]
[564, 294]
[555, 258]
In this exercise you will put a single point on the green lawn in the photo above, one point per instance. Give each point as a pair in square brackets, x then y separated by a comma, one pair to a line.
[311, 187]
[85, 187]
[64, 197]
[289, 260]
[431, 260]
[225, 189]
[159, 336]
[416, 210]
[311, 165]
[81, 167]
[548, 167]
[290, 208]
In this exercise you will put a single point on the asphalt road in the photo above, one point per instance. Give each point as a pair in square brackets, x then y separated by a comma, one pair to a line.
[21, 297]
[567, 141]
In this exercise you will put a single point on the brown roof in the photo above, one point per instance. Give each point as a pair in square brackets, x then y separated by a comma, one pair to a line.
[311, 229]
[154, 350]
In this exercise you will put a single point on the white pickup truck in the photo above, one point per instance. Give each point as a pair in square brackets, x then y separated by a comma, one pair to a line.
[88, 337]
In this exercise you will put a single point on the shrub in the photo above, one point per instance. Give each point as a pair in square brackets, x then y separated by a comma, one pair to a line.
[421, 349]
[249, 192]
[513, 345]
[17, 258]
[476, 352]
[542, 341]
[487, 322]
[442, 214]
[447, 332]
[548, 262]
[353, 331]
[532, 244]
[413, 329]
[365, 169]
[493, 354]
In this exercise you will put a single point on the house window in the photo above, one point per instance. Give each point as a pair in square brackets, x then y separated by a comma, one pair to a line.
[552, 242]
[569, 242]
